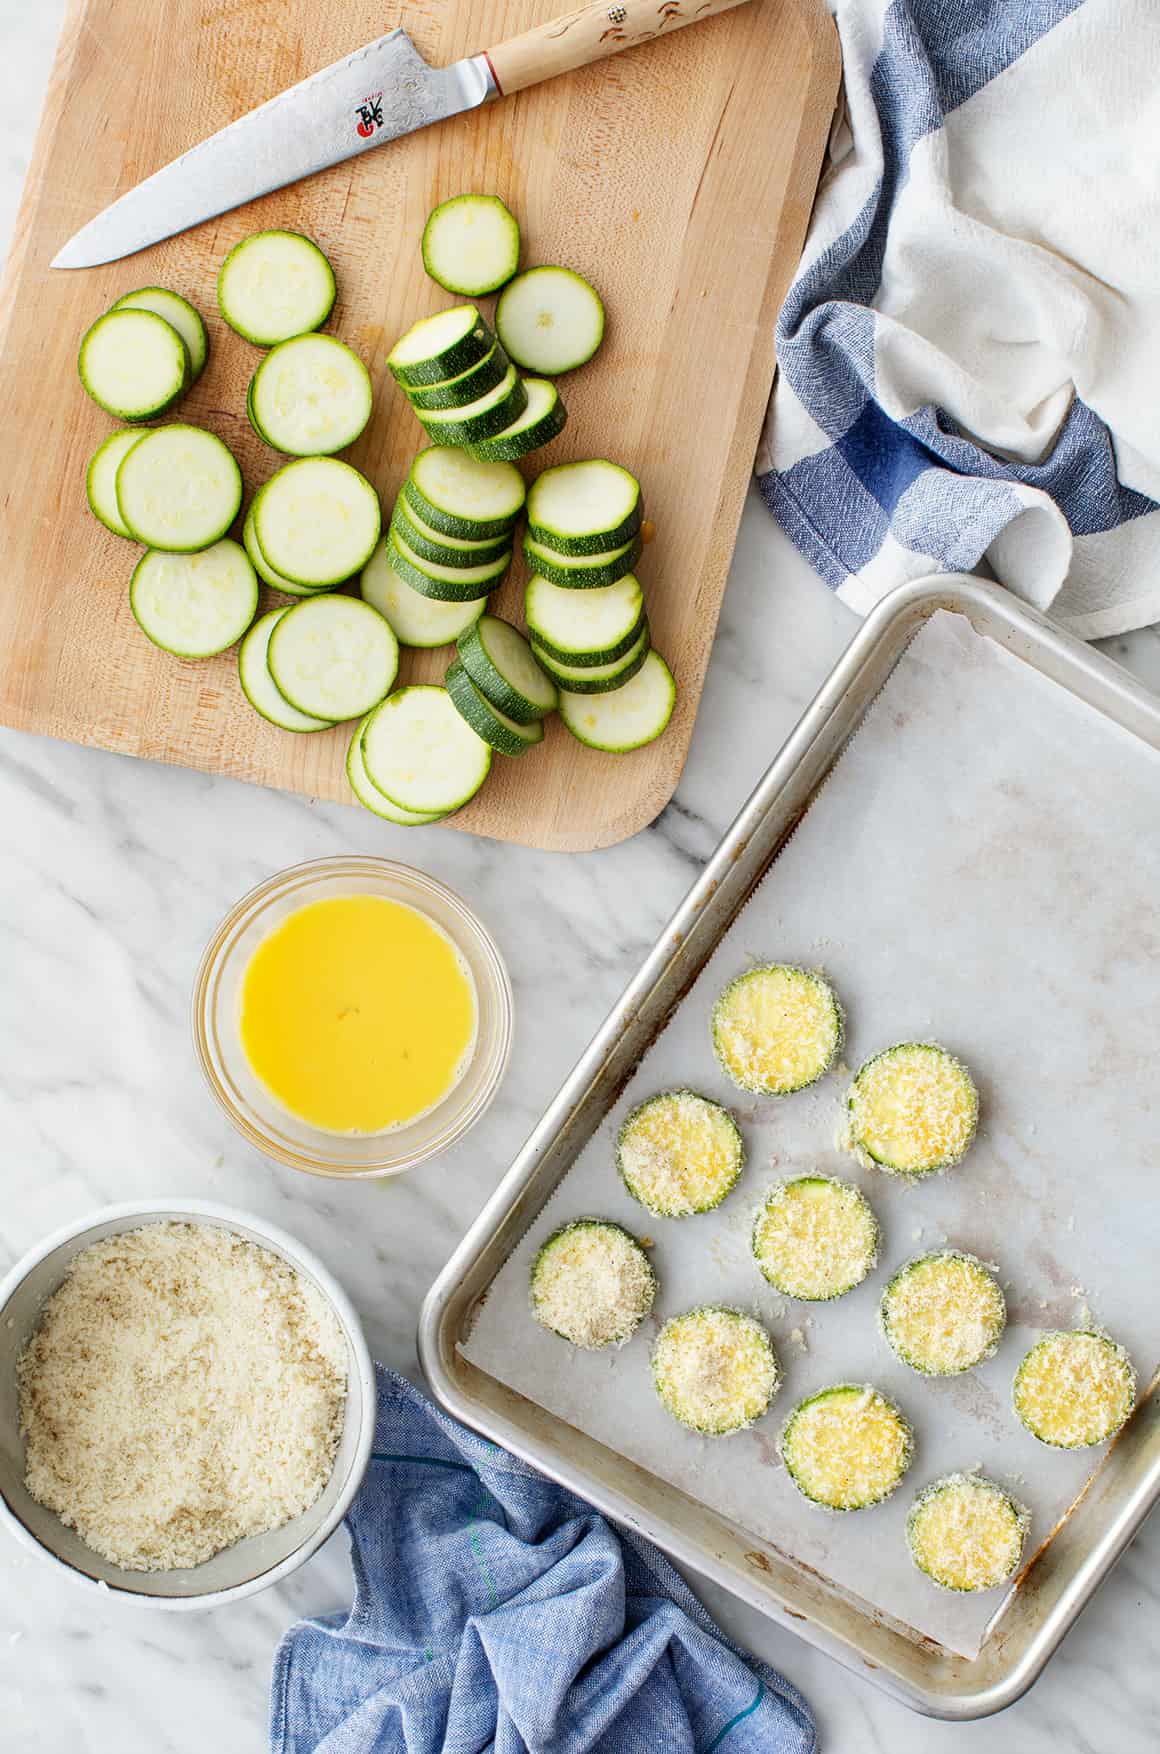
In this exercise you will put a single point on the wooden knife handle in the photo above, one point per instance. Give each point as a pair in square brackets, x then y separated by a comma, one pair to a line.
[590, 33]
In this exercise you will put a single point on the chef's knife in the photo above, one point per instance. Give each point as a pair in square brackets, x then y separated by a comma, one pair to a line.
[377, 94]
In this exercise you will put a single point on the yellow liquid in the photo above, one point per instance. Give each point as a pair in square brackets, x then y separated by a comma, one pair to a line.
[358, 1014]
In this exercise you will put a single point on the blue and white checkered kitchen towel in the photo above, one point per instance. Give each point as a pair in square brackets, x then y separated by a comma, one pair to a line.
[969, 357]
[495, 1611]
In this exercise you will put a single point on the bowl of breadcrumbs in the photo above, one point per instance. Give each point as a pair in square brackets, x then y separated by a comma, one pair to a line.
[187, 1403]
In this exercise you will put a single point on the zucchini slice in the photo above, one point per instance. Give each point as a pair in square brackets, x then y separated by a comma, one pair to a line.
[101, 478]
[551, 320]
[259, 686]
[501, 663]
[632, 715]
[265, 571]
[777, 1029]
[194, 605]
[179, 489]
[274, 285]
[1074, 1389]
[715, 1369]
[847, 1447]
[133, 364]
[440, 347]
[582, 572]
[418, 620]
[913, 1109]
[481, 419]
[429, 545]
[333, 657]
[459, 496]
[310, 396]
[966, 1533]
[584, 508]
[466, 387]
[422, 753]
[601, 678]
[457, 584]
[584, 628]
[178, 312]
[591, 1283]
[815, 1238]
[471, 244]
[943, 1313]
[317, 521]
[679, 1153]
[544, 417]
[506, 736]
[368, 793]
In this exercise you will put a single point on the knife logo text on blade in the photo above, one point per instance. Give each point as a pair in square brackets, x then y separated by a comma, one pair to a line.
[370, 115]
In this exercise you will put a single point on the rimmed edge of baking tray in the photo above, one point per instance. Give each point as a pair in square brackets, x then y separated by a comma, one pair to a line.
[1074, 1559]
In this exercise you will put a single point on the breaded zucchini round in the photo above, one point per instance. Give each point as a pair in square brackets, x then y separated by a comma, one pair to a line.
[913, 1109]
[592, 1283]
[715, 1369]
[1074, 1389]
[777, 1029]
[943, 1313]
[679, 1153]
[846, 1447]
[815, 1238]
[966, 1533]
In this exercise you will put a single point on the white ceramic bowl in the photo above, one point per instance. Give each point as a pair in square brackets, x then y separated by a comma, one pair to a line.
[248, 1566]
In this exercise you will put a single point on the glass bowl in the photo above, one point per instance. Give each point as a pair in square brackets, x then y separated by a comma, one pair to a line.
[217, 1016]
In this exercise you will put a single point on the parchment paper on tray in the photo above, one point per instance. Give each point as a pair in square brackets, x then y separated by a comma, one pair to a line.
[981, 868]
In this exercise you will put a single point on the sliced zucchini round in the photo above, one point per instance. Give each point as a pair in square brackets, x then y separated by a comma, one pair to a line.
[582, 572]
[777, 1029]
[333, 657]
[1074, 1389]
[505, 735]
[679, 1154]
[457, 584]
[444, 550]
[418, 620]
[591, 1283]
[101, 478]
[715, 1369]
[471, 244]
[815, 1238]
[368, 793]
[194, 605]
[178, 312]
[500, 662]
[551, 320]
[317, 521]
[133, 364]
[274, 285]
[585, 679]
[179, 489]
[265, 571]
[259, 686]
[440, 347]
[966, 1533]
[846, 1447]
[481, 419]
[310, 396]
[629, 717]
[584, 508]
[943, 1313]
[459, 496]
[584, 628]
[422, 753]
[913, 1109]
[467, 386]
[542, 419]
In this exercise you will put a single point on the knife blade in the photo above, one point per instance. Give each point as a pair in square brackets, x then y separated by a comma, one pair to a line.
[376, 95]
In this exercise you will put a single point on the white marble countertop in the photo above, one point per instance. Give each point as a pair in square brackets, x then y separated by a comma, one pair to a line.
[113, 874]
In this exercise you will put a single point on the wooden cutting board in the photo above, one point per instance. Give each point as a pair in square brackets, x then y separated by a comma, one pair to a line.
[678, 176]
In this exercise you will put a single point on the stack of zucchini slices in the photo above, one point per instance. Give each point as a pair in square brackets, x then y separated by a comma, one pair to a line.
[465, 390]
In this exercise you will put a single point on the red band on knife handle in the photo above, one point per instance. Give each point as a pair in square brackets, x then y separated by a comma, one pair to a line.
[499, 91]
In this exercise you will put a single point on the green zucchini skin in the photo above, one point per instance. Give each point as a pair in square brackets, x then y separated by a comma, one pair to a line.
[575, 542]
[467, 387]
[445, 590]
[519, 440]
[742, 1418]
[461, 428]
[603, 679]
[504, 736]
[487, 673]
[553, 567]
[438, 552]
[483, 530]
[437, 368]
[606, 1227]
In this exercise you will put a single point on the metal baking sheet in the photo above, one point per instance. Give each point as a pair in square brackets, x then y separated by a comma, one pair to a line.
[1009, 938]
